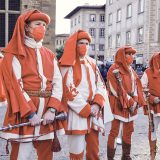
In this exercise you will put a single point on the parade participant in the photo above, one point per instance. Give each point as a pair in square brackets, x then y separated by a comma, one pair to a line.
[150, 79]
[125, 93]
[84, 96]
[33, 85]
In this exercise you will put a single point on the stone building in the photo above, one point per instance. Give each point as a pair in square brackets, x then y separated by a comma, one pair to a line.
[60, 40]
[91, 19]
[11, 9]
[133, 22]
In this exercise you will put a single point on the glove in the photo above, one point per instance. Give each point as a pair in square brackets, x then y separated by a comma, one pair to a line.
[132, 109]
[94, 109]
[156, 100]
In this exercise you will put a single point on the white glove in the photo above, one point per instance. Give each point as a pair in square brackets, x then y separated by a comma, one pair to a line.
[94, 109]
[48, 117]
[156, 100]
[132, 109]
[35, 120]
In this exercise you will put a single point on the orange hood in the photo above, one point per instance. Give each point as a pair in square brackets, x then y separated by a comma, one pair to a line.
[154, 63]
[120, 58]
[16, 44]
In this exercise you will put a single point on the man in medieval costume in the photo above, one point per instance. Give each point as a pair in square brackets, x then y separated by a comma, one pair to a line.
[150, 80]
[84, 97]
[33, 85]
[125, 95]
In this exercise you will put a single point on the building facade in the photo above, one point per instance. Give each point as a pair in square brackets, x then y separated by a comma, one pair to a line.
[135, 23]
[91, 19]
[11, 9]
[60, 40]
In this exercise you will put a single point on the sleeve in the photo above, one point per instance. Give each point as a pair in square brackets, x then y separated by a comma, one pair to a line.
[57, 88]
[99, 97]
[144, 81]
[75, 100]
[17, 71]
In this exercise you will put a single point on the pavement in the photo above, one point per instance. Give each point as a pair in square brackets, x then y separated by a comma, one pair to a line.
[139, 151]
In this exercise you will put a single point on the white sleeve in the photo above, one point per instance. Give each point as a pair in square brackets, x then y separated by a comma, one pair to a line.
[144, 80]
[18, 71]
[57, 88]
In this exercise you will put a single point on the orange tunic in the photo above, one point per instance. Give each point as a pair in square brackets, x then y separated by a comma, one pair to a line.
[20, 105]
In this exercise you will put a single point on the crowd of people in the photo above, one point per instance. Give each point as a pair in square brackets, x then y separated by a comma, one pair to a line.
[90, 96]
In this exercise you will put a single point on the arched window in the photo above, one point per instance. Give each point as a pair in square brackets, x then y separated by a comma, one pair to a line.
[9, 12]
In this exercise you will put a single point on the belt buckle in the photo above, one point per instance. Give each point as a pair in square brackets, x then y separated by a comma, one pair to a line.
[41, 93]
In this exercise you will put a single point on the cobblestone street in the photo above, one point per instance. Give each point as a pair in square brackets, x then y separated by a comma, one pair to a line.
[140, 147]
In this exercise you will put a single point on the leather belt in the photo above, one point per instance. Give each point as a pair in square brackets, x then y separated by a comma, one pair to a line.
[44, 94]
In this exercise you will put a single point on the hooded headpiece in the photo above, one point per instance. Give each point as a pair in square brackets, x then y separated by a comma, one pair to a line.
[120, 57]
[16, 44]
[154, 63]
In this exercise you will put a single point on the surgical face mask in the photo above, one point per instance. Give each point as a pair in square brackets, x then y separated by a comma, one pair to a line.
[38, 33]
[82, 49]
[129, 60]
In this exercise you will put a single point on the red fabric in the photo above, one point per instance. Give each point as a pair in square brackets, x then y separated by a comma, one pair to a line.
[122, 92]
[154, 79]
[42, 153]
[120, 58]
[84, 35]
[128, 129]
[39, 16]
[154, 64]
[2, 91]
[92, 153]
[16, 44]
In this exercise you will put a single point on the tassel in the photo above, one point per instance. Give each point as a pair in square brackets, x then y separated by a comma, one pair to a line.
[56, 147]
[7, 150]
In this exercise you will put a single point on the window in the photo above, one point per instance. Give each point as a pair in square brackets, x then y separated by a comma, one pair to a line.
[92, 32]
[92, 47]
[78, 19]
[110, 2]
[140, 35]
[101, 32]
[141, 6]
[128, 37]
[75, 21]
[92, 17]
[57, 42]
[118, 15]
[129, 11]
[2, 4]
[118, 39]
[9, 12]
[110, 19]
[110, 42]
[102, 18]
[71, 23]
[101, 47]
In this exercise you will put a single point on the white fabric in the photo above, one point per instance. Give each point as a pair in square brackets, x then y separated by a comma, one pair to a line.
[144, 80]
[156, 121]
[76, 143]
[57, 82]
[108, 115]
[25, 151]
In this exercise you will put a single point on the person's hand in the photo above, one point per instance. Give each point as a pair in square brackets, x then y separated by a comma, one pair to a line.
[132, 108]
[48, 117]
[94, 110]
[156, 100]
[35, 120]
